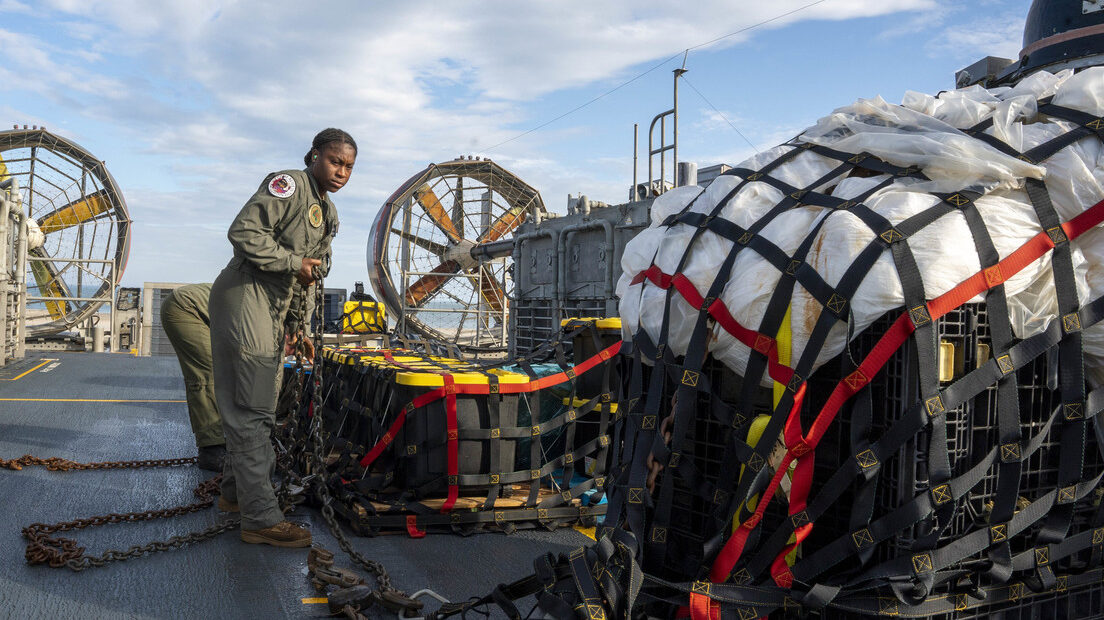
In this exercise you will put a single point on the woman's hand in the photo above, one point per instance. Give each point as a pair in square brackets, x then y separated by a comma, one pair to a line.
[306, 271]
[291, 342]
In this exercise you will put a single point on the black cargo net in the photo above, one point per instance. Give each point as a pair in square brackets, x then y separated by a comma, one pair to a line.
[874, 485]
[421, 442]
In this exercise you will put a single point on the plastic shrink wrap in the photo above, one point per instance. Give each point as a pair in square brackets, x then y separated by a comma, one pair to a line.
[923, 132]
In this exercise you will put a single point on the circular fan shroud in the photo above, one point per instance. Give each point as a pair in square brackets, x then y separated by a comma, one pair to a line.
[419, 250]
[79, 207]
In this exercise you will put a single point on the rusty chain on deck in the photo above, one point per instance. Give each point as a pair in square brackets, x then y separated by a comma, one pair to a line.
[56, 551]
[55, 463]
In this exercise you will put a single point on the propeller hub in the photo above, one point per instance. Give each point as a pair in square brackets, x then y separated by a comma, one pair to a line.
[461, 253]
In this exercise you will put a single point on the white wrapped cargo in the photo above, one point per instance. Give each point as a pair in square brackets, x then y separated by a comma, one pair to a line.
[925, 133]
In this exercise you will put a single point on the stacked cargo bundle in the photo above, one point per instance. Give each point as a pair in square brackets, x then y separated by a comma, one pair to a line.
[861, 363]
[422, 442]
[866, 374]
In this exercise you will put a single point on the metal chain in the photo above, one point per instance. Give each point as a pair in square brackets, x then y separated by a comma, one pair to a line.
[383, 579]
[56, 551]
[55, 463]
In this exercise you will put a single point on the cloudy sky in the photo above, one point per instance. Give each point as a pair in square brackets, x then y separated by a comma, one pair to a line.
[191, 102]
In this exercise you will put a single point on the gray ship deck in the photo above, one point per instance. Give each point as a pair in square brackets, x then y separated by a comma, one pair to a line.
[95, 407]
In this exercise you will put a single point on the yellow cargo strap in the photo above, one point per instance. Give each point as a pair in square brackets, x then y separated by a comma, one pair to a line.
[759, 424]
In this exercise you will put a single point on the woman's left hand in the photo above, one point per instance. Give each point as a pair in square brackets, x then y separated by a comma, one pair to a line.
[291, 343]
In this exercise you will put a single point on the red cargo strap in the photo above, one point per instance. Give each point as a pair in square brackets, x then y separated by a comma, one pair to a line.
[453, 444]
[393, 431]
[704, 608]
[412, 527]
[892, 340]
[504, 388]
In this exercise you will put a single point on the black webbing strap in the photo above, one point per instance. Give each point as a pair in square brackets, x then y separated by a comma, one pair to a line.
[1071, 370]
[973, 383]
[926, 345]
[976, 541]
[1087, 125]
[990, 597]
[1008, 401]
[900, 432]
[649, 421]
[494, 419]
[836, 303]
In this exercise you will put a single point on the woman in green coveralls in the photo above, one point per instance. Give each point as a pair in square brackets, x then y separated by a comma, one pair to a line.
[279, 237]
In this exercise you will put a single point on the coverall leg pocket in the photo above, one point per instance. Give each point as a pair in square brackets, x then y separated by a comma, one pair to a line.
[256, 381]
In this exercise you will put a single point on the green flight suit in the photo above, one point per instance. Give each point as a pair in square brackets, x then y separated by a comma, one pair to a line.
[188, 326]
[252, 299]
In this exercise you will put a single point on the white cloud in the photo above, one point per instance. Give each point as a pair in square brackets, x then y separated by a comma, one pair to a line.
[14, 6]
[209, 92]
[1000, 35]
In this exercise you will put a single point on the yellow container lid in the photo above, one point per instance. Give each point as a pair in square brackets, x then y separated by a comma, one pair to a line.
[599, 322]
[419, 370]
[432, 380]
[579, 402]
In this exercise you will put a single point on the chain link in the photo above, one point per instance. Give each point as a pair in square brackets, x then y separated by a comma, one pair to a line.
[377, 570]
[55, 463]
[56, 551]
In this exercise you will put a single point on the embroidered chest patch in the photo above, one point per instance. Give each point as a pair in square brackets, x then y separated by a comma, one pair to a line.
[281, 186]
[314, 215]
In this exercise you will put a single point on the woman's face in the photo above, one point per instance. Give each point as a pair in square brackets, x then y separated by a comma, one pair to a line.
[334, 166]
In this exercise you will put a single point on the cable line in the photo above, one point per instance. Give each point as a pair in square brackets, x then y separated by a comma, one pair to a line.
[660, 64]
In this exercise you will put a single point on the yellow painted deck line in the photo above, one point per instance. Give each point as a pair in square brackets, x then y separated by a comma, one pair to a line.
[88, 400]
[317, 600]
[585, 531]
[44, 362]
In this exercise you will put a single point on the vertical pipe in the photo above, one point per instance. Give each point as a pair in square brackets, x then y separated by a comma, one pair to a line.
[636, 148]
[662, 155]
[674, 128]
[113, 343]
[8, 242]
[147, 319]
[404, 262]
[21, 274]
[479, 305]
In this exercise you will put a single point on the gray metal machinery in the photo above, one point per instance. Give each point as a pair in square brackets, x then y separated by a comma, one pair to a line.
[443, 272]
[568, 267]
[463, 275]
[13, 277]
[79, 233]
[126, 331]
[1058, 34]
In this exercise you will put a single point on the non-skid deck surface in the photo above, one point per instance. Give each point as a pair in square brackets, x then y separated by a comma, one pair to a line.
[93, 407]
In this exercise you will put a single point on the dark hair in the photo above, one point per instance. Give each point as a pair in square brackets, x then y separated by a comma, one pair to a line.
[326, 137]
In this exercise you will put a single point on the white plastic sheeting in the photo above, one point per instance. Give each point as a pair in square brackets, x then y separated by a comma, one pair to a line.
[923, 132]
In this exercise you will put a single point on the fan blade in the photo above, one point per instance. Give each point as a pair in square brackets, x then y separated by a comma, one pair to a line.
[428, 285]
[49, 285]
[491, 292]
[503, 225]
[432, 206]
[75, 213]
[458, 207]
[437, 248]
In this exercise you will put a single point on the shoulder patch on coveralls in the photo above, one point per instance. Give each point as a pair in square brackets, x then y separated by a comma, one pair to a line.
[281, 186]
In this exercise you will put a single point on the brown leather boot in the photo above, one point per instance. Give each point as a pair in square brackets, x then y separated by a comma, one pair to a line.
[283, 534]
[226, 505]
